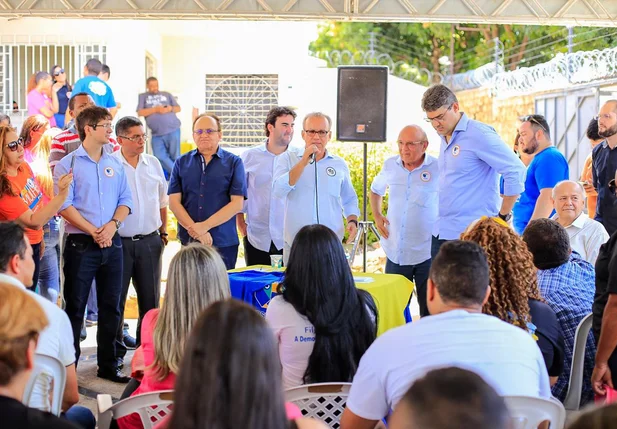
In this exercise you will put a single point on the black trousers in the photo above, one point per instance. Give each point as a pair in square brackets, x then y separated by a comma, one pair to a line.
[85, 261]
[143, 261]
[253, 256]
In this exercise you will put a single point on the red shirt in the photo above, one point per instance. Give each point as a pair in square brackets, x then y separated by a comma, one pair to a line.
[28, 197]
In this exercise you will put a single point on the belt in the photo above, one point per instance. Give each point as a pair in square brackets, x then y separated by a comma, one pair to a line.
[141, 236]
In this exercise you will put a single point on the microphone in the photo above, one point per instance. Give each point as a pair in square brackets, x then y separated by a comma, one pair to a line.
[312, 158]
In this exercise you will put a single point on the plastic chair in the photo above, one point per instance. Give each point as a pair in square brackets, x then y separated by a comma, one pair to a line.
[575, 385]
[528, 412]
[47, 367]
[151, 407]
[322, 401]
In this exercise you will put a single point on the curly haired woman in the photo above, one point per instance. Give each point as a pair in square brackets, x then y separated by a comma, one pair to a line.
[515, 297]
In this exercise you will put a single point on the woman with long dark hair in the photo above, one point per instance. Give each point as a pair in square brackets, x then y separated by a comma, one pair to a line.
[64, 89]
[323, 323]
[230, 374]
[21, 198]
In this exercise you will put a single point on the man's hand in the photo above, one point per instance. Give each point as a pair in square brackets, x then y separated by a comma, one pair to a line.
[164, 238]
[600, 378]
[105, 233]
[197, 230]
[352, 229]
[242, 226]
[382, 223]
[308, 151]
[588, 187]
[205, 239]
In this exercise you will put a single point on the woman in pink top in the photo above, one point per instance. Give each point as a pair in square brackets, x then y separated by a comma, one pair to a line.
[43, 99]
[197, 277]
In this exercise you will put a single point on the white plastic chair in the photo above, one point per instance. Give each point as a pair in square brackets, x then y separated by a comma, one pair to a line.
[528, 412]
[575, 385]
[321, 401]
[48, 371]
[151, 407]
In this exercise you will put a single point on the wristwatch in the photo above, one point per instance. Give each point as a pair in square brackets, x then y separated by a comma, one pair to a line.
[118, 223]
[505, 217]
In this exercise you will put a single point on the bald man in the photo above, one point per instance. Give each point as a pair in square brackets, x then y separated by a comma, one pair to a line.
[586, 235]
[412, 178]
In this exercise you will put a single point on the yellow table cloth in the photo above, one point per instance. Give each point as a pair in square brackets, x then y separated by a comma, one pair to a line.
[391, 293]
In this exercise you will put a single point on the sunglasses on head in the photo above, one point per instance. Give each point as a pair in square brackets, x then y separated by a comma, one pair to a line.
[13, 145]
[532, 118]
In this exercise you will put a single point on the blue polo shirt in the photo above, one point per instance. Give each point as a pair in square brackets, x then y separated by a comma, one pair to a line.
[207, 188]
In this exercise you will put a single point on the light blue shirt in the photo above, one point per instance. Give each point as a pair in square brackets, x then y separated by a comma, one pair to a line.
[412, 208]
[469, 169]
[97, 190]
[264, 211]
[307, 205]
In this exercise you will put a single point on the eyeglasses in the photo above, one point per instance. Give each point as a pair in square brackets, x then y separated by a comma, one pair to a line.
[13, 145]
[439, 118]
[532, 118]
[605, 116]
[612, 186]
[207, 131]
[59, 72]
[136, 138]
[412, 144]
[108, 126]
[320, 133]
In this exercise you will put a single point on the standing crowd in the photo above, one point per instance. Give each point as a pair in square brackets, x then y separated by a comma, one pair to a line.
[503, 272]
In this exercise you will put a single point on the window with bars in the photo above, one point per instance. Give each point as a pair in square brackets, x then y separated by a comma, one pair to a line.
[242, 102]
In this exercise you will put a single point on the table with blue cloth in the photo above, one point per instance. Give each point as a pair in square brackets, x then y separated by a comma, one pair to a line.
[256, 285]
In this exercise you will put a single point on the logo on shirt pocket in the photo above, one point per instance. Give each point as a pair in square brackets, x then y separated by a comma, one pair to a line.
[425, 176]
[330, 171]
[109, 172]
[456, 150]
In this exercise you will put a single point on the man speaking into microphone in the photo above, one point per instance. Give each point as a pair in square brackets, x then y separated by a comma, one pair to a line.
[316, 187]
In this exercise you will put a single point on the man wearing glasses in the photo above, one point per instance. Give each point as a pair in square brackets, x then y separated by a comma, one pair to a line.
[144, 234]
[207, 190]
[160, 108]
[604, 162]
[99, 201]
[471, 158]
[413, 178]
[316, 187]
[547, 168]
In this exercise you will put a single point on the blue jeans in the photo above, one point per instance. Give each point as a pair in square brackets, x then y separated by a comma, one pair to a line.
[84, 261]
[92, 309]
[81, 416]
[167, 149]
[49, 275]
[418, 274]
[436, 243]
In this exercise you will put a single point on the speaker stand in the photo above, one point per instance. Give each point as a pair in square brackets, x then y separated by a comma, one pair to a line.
[365, 226]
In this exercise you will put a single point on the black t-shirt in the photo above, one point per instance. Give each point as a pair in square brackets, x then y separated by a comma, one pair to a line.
[606, 281]
[604, 164]
[14, 414]
[550, 337]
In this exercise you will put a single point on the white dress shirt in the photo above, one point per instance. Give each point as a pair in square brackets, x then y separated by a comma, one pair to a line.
[264, 211]
[586, 237]
[149, 190]
[305, 204]
[412, 208]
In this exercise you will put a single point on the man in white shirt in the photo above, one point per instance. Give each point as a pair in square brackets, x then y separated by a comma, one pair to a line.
[586, 235]
[263, 227]
[56, 340]
[319, 194]
[413, 179]
[456, 334]
[144, 234]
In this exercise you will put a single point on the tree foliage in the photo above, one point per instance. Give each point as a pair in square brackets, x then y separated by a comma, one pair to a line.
[423, 44]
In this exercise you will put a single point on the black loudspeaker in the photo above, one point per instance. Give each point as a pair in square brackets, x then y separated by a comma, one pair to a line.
[362, 103]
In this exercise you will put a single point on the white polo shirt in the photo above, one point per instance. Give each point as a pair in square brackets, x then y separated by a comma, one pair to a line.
[55, 340]
[412, 208]
[265, 213]
[507, 357]
[149, 191]
[586, 236]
